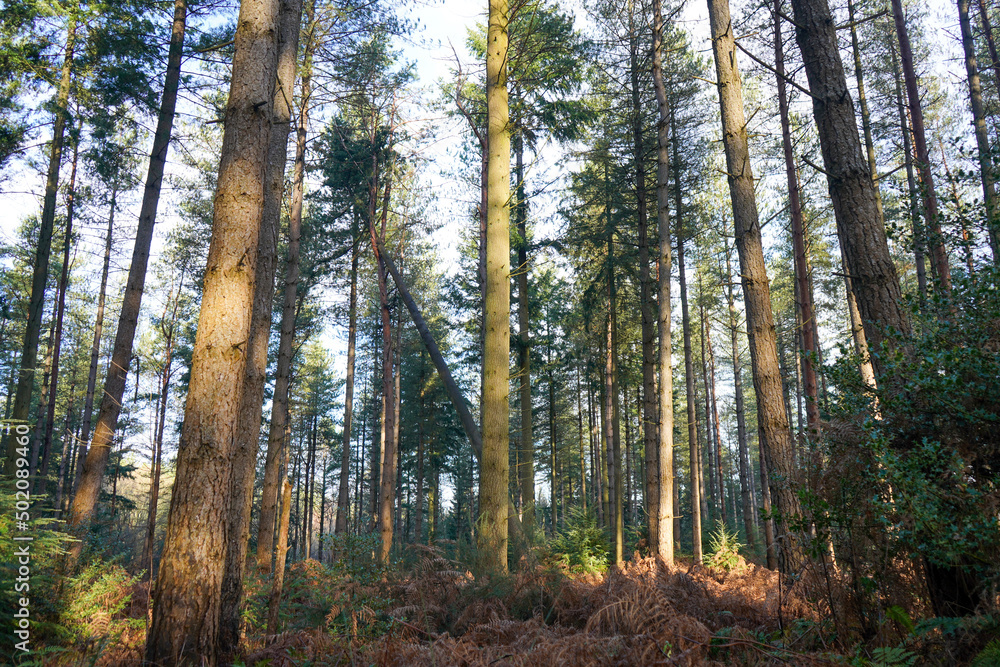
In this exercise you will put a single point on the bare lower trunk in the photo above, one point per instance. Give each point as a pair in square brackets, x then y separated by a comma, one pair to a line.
[526, 462]
[281, 553]
[746, 491]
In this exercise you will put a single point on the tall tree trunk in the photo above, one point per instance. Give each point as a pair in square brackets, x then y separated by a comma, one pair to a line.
[388, 482]
[979, 122]
[493, 479]
[861, 230]
[664, 482]
[650, 403]
[50, 417]
[692, 413]
[244, 457]
[808, 333]
[938, 253]
[775, 437]
[40, 270]
[419, 518]
[286, 337]
[746, 491]
[95, 348]
[526, 462]
[114, 384]
[187, 602]
[718, 430]
[710, 435]
[343, 499]
[866, 123]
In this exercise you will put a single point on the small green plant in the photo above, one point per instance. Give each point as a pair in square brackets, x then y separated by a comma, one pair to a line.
[96, 602]
[723, 549]
[580, 547]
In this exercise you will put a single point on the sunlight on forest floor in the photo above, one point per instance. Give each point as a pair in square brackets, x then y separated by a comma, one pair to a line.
[646, 613]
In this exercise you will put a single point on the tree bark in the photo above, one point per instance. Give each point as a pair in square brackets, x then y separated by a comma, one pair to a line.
[187, 602]
[861, 230]
[991, 44]
[114, 383]
[244, 458]
[664, 545]
[775, 437]
[281, 553]
[494, 474]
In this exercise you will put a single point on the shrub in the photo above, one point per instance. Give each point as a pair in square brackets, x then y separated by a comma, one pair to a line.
[723, 549]
[580, 547]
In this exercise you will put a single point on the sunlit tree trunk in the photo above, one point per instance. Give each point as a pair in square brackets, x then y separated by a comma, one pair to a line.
[494, 466]
[775, 437]
[244, 459]
[187, 602]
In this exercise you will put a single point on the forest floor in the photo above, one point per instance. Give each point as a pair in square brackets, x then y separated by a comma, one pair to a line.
[645, 613]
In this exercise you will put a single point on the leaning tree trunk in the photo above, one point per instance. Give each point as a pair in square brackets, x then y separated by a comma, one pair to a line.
[938, 252]
[114, 384]
[859, 226]
[187, 603]
[775, 437]
[982, 137]
[664, 545]
[493, 494]
[40, 271]
[244, 459]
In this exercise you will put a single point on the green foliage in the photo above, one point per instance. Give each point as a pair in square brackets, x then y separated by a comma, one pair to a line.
[989, 656]
[357, 602]
[95, 601]
[723, 551]
[47, 547]
[581, 547]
